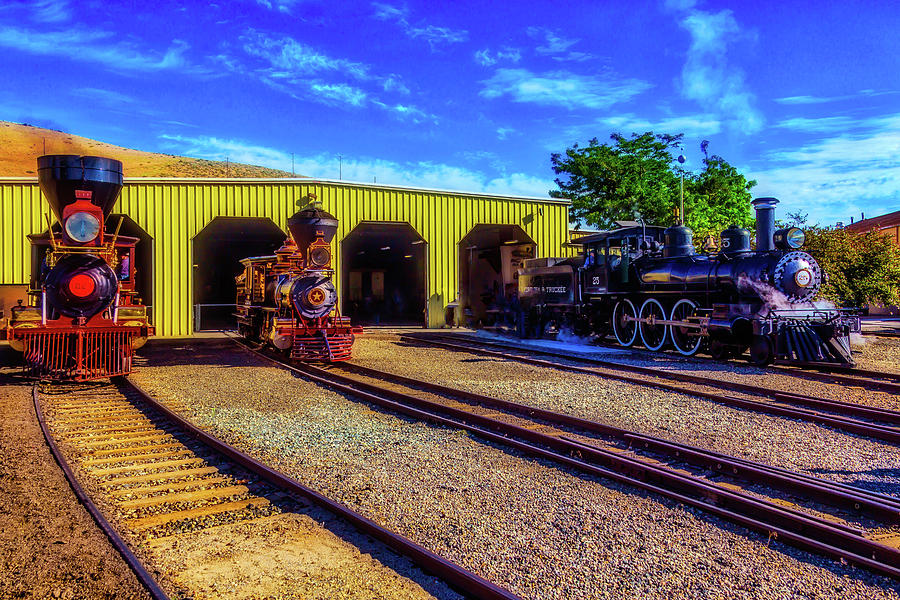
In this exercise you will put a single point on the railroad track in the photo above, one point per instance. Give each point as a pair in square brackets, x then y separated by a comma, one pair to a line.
[877, 423]
[145, 474]
[858, 529]
[884, 381]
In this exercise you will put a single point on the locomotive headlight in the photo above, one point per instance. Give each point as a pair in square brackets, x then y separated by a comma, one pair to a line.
[319, 257]
[790, 238]
[82, 227]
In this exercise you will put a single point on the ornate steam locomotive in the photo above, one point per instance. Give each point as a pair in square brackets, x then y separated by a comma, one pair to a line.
[84, 317]
[648, 282]
[288, 300]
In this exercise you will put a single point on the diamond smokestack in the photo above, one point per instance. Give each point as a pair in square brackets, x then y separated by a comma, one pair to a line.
[60, 175]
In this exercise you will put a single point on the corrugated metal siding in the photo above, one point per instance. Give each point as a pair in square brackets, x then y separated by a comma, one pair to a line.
[174, 212]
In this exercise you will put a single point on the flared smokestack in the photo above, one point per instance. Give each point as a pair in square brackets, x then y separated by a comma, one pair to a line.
[60, 175]
[765, 223]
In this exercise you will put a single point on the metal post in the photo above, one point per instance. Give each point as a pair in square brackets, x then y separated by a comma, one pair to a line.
[681, 205]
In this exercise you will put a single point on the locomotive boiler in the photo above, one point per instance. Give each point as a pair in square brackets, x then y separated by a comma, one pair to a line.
[288, 300]
[647, 283]
[84, 318]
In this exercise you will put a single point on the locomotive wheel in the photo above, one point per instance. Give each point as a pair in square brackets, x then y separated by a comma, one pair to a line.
[719, 350]
[653, 336]
[761, 351]
[684, 339]
[625, 331]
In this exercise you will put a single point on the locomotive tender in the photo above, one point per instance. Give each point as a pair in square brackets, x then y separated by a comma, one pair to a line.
[647, 282]
[288, 300]
[84, 318]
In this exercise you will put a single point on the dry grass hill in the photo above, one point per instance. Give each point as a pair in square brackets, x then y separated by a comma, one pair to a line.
[20, 145]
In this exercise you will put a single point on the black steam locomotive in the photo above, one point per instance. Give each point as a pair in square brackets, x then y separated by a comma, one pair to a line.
[288, 300]
[648, 282]
[84, 318]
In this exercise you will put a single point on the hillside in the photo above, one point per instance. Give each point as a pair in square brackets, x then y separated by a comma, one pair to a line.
[20, 145]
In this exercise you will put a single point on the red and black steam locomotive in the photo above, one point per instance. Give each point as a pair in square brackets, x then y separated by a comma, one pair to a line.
[288, 300]
[647, 285]
[84, 318]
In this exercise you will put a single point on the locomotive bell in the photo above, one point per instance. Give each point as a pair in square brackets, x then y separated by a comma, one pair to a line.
[60, 175]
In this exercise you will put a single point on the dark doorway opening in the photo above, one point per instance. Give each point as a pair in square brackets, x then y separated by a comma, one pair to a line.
[143, 257]
[217, 251]
[383, 274]
[489, 256]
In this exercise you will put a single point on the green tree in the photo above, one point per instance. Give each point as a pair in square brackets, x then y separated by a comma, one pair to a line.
[632, 177]
[862, 268]
[717, 197]
[636, 177]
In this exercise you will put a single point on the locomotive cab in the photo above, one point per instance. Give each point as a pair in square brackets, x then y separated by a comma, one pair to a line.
[610, 256]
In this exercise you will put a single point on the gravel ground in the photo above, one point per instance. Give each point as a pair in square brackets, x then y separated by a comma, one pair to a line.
[49, 545]
[795, 445]
[541, 531]
[878, 353]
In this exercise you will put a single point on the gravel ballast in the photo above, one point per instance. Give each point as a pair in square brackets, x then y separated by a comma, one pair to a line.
[538, 530]
[795, 445]
[50, 546]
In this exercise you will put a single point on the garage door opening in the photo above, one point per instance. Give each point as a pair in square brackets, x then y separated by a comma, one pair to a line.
[143, 257]
[383, 274]
[489, 256]
[217, 252]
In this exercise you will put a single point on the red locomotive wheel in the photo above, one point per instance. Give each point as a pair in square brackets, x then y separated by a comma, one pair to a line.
[81, 285]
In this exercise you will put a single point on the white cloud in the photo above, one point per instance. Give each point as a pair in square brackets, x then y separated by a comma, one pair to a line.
[414, 173]
[105, 97]
[338, 93]
[834, 177]
[98, 47]
[282, 6]
[707, 76]
[562, 88]
[486, 58]
[309, 75]
[819, 125]
[556, 46]
[289, 58]
[41, 11]
[693, 126]
[805, 99]
[504, 132]
[434, 35]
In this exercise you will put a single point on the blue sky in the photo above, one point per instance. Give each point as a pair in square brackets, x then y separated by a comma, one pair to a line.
[804, 97]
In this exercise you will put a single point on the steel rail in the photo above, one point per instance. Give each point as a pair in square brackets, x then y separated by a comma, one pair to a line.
[834, 374]
[767, 518]
[143, 576]
[448, 571]
[850, 408]
[885, 433]
[838, 494]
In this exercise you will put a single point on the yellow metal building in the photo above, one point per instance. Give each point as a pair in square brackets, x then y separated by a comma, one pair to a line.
[186, 225]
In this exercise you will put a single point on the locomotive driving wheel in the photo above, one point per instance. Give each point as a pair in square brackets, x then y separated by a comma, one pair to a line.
[686, 340]
[653, 334]
[625, 330]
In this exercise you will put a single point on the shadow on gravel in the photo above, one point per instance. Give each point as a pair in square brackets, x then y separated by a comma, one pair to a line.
[210, 352]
